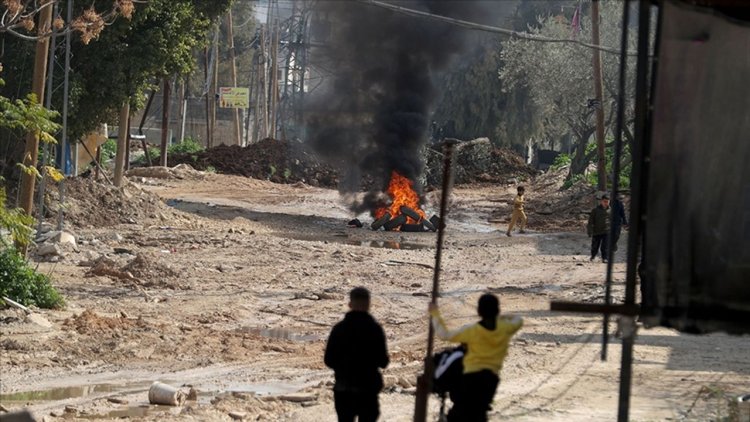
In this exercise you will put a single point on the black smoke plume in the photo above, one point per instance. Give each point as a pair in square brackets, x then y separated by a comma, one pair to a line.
[380, 70]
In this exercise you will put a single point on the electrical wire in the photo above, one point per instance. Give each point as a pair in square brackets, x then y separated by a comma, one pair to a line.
[487, 28]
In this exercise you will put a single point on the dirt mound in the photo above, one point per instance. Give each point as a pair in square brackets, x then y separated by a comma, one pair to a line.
[557, 206]
[89, 322]
[478, 161]
[89, 203]
[269, 159]
[148, 267]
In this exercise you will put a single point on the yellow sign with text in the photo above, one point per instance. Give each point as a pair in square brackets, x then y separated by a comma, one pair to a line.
[232, 97]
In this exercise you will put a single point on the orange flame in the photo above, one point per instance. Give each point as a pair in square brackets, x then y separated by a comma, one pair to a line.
[402, 193]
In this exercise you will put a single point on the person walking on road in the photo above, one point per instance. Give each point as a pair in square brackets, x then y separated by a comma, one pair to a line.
[598, 227]
[518, 216]
[486, 347]
[619, 220]
[356, 351]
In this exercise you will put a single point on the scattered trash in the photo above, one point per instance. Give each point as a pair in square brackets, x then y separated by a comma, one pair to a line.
[161, 393]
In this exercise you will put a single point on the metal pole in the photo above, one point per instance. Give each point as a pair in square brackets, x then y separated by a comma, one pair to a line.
[164, 123]
[616, 165]
[66, 92]
[184, 94]
[424, 381]
[140, 126]
[641, 120]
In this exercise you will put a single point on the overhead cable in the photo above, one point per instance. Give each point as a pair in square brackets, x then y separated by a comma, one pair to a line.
[487, 28]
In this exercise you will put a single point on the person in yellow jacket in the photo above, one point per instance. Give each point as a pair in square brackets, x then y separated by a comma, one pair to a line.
[486, 347]
[518, 215]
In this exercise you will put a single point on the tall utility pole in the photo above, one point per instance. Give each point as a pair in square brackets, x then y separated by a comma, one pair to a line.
[263, 87]
[294, 39]
[165, 123]
[601, 165]
[31, 150]
[233, 64]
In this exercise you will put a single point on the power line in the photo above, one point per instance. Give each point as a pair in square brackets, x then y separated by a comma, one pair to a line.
[488, 28]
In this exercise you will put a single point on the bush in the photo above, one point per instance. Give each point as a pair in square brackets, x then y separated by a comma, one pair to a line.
[188, 146]
[22, 283]
[109, 150]
[560, 161]
[15, 222]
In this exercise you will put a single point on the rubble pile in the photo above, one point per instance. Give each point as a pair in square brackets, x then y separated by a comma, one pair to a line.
[91, 203]
[477, 161]
[269, 159]
[555, 207]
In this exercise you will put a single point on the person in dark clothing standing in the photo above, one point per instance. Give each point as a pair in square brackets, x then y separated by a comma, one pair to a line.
[356, 351]
[618, 219]
[598, 227]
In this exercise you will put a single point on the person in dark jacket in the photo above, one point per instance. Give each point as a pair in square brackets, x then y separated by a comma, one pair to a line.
[598, 227]
[619, 220]
[356, 351]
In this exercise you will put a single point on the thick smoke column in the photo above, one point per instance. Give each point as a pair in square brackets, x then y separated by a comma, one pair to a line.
[373, 114]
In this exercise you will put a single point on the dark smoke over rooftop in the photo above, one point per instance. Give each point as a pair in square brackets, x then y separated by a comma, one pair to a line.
[380, 70]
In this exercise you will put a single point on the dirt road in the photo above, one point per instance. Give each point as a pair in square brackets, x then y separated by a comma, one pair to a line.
[234, 291]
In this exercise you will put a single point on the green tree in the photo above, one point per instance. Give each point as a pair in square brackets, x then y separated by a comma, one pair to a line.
[125, 61]
[474, 96]
[559, 79]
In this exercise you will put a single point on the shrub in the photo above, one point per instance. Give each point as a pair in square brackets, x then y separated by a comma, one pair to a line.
[109, 150]
[15, 221]
[24, 284]
[187, 146]
[560, 161]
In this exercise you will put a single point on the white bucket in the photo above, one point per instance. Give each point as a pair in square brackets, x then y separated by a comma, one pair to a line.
[161, 393]
[743, 408]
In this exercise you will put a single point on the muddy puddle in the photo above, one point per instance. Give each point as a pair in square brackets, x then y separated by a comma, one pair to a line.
[384, 244]
[283, 334]
[65, 393]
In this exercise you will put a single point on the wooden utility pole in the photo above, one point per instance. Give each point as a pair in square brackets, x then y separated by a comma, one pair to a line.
[31, 150]
[263, 85]
[601, 165]
[233, 62]
[251, 96]
[164, 123]
[123, 133]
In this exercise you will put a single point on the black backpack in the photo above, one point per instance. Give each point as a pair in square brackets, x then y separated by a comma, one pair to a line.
[449, 366]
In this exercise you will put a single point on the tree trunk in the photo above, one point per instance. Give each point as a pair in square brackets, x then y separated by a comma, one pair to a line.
[579, 162]
[31, 150]
[123, 133]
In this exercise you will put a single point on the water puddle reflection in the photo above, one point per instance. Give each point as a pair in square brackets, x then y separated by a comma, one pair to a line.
[283, 334]
[64, 393]
[385, 244]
